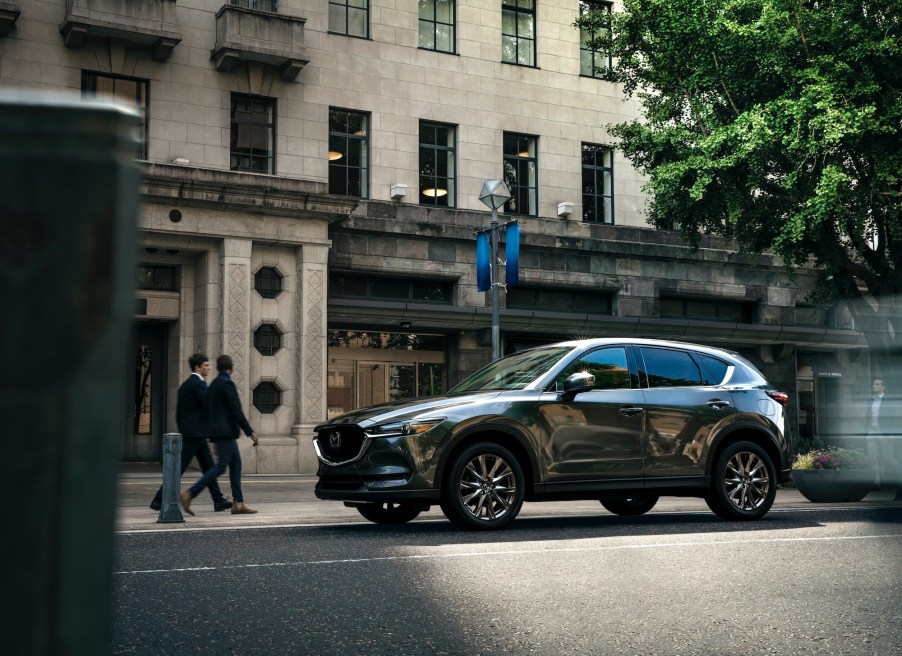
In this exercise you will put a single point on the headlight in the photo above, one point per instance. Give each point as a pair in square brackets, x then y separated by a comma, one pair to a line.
[412, 427]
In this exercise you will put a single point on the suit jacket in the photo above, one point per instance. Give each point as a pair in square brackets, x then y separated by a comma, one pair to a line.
[226, 416]
[191, 410]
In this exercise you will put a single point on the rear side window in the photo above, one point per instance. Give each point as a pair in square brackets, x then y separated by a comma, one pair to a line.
[608, 365]
[669, 368]
[718, 368]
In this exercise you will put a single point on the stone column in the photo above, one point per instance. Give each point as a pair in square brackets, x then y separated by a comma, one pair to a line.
[312, 261]
[237, 281]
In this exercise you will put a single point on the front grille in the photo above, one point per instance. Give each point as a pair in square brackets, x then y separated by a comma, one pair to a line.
[340, 443]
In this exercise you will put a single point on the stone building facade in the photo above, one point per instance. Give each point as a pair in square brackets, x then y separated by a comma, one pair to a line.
[310, 198]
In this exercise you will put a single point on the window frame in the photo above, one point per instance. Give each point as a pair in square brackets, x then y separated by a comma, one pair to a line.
[268, 339]
[449, 152]
[89, 90]
[516, 161]
[346, 6]
[410, 283]
[584, 7]
[644, 368]
[256, 404]
[717, 304]
[434, 22]
[260, 276]
[597, 171]
[349, 138]
[514, 7]
[271, 126]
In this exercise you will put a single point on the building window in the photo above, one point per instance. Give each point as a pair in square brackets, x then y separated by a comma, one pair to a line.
[350, 17]
[521, 174]
[598, 184]
[271, 6]
[707, 310]
[267, 339]
[437, 25]
[158, 278]
[127, 91]
[348, 153]
[518, 32]
[253, 134]
[267, 398]
[593, 63]
[268, 282]
[558, 300]
[437, 164]
[389, 289]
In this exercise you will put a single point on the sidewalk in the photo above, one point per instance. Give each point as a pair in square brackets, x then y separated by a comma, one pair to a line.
[288, 500]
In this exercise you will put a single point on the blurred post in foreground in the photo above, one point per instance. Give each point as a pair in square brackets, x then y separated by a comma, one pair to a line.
[68, 202]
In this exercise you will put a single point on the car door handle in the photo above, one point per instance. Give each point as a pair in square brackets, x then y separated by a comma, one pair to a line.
[717, 404]
[629, 410]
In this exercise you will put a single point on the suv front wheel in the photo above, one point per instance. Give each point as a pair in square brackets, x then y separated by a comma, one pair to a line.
[388, 513]
[743, 484]
[483, 490]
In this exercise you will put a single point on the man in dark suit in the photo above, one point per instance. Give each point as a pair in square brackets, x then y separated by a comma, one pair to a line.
[226, 420]
[191, 419]
[884, 430]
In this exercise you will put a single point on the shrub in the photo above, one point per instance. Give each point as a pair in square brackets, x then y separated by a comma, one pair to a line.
[832, 458]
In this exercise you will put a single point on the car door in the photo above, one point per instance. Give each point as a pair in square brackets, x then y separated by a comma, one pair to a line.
[683, 410]
[598, 434]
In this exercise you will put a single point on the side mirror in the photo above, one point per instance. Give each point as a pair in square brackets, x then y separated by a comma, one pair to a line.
[582, 381]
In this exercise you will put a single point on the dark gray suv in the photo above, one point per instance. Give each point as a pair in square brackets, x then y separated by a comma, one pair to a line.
[621, 421]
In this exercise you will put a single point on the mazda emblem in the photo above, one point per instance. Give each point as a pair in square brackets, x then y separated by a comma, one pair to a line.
[335, 439]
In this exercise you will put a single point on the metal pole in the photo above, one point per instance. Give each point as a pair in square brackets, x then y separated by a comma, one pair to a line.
[171, 510]
[496, 323]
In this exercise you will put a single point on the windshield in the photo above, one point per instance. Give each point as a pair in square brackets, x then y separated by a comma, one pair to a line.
[515, 372]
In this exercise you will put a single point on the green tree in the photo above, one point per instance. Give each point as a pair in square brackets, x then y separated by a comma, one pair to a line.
[775, 123]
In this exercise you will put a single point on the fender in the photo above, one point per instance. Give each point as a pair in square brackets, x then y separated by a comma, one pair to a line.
[745, 424]
[484, 427]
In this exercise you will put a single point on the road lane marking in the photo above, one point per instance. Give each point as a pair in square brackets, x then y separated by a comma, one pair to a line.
[516, 552]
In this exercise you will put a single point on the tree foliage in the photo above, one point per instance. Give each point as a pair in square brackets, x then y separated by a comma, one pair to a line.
[776, 123]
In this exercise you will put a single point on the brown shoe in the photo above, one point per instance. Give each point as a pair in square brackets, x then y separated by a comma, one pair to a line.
[186, 502]
[241, 508]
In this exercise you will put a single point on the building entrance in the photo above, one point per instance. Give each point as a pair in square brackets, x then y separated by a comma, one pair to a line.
[146, 385]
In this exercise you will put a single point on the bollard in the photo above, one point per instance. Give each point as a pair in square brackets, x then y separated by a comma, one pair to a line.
[69, 190]
[171, 510]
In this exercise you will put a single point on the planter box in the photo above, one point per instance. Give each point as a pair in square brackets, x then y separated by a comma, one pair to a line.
[833, 485]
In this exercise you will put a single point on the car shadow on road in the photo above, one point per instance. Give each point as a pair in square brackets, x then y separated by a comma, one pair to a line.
[525, 529]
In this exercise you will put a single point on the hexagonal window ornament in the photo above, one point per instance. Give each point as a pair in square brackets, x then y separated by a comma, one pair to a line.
[268, 339]
[268, 282]
[267, 397]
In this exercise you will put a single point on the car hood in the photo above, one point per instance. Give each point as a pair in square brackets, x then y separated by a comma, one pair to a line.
[397, 410]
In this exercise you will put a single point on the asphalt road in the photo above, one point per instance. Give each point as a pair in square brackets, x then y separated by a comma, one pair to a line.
[799, 581]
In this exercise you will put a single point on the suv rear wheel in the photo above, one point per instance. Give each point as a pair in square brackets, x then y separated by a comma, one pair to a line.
[483, 490]
[388, 513]
[744, 482]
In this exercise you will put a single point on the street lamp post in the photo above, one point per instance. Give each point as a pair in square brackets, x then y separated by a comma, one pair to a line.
[494, 194]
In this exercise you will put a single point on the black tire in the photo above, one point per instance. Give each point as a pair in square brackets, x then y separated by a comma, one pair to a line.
[484, 488]
[388, 513]
[743, 483]
[629, 506]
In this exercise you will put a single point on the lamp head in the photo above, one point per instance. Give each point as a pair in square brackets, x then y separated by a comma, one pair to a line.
[494, 193]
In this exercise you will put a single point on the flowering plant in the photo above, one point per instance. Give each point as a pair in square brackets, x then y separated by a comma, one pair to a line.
[832, 458]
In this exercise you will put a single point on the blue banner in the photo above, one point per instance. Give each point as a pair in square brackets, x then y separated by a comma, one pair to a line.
[483, 268]
[512, 255]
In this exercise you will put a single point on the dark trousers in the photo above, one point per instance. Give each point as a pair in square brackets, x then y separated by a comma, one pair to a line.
[227, 456]
[197, 447]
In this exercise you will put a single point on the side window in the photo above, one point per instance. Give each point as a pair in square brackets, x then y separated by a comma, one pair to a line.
[608, 365]
[717, 367]
[668, 368]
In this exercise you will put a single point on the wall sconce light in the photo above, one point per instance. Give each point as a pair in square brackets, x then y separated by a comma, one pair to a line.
[398, 191]
[181, 161]
[564, 209]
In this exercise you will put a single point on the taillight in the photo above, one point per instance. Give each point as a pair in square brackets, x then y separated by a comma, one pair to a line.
[780, 397]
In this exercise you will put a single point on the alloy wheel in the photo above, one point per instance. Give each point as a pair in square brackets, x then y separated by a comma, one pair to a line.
[488, 487]
[746, 480]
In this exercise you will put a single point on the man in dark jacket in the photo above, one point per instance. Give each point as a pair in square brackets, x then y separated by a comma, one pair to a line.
[226, 420]
[191, 419]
